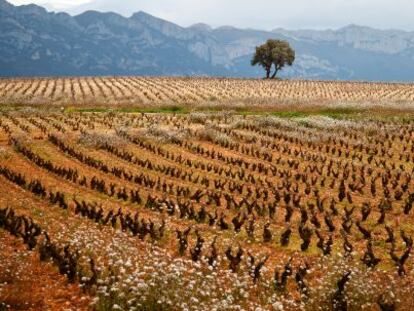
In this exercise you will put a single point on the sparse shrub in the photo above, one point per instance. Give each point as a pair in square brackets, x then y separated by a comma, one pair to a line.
[97, 140]
[272, 121]
[209, 133]
[198, 117]
[4, 154]
[164, 135]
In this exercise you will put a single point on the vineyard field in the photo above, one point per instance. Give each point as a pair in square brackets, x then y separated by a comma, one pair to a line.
[207, 210]
[241, 94]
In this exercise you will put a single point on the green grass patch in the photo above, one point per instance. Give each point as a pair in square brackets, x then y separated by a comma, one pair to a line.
[289, 114]
[174, 109]
[331, 111]
[339, 113]
[166, 109]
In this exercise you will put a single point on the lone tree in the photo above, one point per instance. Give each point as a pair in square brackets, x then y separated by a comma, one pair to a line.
[273, 52]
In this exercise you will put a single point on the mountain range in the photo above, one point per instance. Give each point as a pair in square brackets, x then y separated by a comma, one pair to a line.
[35, 42]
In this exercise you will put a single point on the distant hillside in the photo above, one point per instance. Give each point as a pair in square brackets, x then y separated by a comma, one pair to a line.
[34, 42]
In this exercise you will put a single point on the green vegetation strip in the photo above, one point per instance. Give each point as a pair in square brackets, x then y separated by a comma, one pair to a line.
[282, 112]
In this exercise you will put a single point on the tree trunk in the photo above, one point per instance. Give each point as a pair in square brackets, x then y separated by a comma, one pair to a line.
[277, 68]
[267, 73]
[274, 74]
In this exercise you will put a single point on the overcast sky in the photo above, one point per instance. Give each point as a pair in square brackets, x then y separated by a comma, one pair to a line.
[259, 14]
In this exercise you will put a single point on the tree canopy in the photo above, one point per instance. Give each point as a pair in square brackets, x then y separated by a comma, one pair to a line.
[277, 53]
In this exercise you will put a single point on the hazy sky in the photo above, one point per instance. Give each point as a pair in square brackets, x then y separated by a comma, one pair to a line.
[260, 14]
